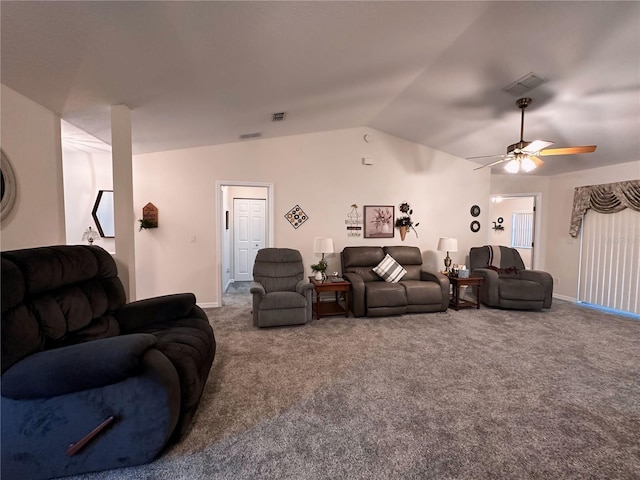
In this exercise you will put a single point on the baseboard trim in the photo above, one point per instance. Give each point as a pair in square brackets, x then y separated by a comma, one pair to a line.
[208, 305]
[564, 297]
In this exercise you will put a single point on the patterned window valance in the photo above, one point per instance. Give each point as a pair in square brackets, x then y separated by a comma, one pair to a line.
[607, 198]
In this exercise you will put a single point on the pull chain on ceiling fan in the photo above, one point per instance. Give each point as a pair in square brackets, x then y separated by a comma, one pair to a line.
[523, 155]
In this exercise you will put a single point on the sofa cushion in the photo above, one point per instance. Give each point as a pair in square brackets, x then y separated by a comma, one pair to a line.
[422, 293]
[516, 289]
[280, 300]
[390, 270]
[383, 294]
[409, 257]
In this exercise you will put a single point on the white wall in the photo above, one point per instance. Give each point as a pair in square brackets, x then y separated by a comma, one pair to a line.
[30, 138]
[321, 172]
[86, 169]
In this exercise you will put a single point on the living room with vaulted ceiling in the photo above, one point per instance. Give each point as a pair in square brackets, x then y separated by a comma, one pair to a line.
[322, 172]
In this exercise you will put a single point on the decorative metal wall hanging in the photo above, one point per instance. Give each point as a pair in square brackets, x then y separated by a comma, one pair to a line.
[475, 226]
[354, 222]
[296, 216]
[475, 211]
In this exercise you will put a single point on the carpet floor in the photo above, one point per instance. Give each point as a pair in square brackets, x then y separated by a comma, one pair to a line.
[474, 394]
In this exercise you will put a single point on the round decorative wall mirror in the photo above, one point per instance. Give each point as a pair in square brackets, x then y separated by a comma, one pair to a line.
[7, 187]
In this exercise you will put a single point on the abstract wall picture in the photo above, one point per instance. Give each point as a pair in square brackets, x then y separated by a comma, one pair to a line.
[379, 221]
[296, 216]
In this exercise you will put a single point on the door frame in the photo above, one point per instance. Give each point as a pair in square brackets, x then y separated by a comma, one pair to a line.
[538, 248]
[220, 218]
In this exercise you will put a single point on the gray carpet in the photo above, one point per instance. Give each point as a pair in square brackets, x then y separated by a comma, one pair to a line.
[485, 394]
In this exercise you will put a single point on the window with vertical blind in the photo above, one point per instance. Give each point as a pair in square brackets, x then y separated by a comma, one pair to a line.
[609, 259]
[522, 230]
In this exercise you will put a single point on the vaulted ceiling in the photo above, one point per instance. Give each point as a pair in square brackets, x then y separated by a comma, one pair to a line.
[203, 73]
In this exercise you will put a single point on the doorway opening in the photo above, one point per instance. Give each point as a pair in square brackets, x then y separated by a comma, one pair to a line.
[514, 221]
[245, 225]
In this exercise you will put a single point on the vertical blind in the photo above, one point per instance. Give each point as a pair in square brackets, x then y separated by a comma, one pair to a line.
[610, 260]
[522, 230]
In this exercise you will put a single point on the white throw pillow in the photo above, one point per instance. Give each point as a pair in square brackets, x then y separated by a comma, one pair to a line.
[390, 270]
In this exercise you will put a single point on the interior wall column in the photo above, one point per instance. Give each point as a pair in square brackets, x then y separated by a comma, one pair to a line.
[124, 221]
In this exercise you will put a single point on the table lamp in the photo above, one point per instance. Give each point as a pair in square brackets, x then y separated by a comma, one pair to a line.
[323, 245]
[447, 244]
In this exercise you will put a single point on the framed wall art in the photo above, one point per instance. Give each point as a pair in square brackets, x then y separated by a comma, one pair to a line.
[379, 221]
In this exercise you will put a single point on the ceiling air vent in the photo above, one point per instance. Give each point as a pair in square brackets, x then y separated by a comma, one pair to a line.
[246, 136]
[525, 84]
[278, 117]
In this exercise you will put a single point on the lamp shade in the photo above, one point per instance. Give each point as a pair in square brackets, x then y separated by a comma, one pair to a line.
[323, 245]
[448, 244]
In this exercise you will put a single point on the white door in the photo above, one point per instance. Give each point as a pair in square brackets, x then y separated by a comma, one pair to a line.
[249, 234]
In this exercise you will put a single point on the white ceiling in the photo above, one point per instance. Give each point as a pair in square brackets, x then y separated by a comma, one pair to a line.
[202, 73]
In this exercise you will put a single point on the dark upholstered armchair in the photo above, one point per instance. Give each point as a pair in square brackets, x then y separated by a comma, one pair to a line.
[78, 361]
[507, 284]
[281, 296]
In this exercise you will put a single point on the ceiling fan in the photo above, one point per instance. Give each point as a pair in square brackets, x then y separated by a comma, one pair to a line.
[523, 156]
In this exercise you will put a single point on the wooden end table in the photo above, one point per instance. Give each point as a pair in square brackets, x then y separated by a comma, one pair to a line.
[457, 282]
[322, 309]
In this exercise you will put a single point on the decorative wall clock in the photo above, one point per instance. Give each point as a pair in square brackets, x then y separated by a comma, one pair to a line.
[7, 186]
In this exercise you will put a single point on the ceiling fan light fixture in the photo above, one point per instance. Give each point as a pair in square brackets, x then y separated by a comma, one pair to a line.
[512, 166]
[527, 165]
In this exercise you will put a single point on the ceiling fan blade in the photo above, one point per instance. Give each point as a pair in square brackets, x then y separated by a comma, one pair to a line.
[567, 150]
[485, 156]
[536, 146]
[536, 161]
[493, 163]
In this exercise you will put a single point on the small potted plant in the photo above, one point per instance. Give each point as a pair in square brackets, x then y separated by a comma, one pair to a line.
[319, 269]
[144, 224]
[404, 222]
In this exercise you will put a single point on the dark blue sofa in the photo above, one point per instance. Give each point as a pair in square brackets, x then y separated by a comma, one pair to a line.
[88, 382]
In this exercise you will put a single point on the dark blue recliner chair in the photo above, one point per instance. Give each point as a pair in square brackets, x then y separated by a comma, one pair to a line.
[88, 382]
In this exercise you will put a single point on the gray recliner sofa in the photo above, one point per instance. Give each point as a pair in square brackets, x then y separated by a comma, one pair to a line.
[90, 382]
[508, 284]
[417, 291]
[281, 295]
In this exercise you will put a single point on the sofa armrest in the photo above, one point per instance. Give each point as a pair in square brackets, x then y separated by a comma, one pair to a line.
[303, 287]
[257, 294]
[442, 280]
[357, 300]
[77, 367]
[257, 289]
[136, 315]
[489, 293]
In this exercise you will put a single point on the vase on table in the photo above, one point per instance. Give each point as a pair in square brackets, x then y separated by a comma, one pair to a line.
[318, 276]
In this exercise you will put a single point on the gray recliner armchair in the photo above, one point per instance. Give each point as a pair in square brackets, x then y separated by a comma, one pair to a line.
[281, 296]
[507, 284]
